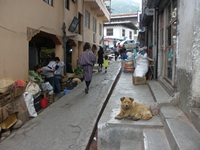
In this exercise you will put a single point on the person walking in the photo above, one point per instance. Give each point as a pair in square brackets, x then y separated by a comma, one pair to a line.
[115, 52]
[87, 60]
[105, 63]
[100, 58]
[58, 74]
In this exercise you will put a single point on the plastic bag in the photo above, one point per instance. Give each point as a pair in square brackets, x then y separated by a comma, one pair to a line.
[141, 65]
[46, 86]
[32, 88]
[28, 97]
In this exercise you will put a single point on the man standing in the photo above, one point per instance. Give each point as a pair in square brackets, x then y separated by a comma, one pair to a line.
[58, 74]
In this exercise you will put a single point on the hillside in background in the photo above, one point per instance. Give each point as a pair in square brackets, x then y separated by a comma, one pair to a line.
[123, 6]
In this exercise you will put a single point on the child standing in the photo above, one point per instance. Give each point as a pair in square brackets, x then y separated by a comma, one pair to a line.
[105, 62]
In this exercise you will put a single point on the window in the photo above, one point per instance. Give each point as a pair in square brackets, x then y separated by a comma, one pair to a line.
[135, 31]
[50, 2]
[130, 35]
[94, 25]
[109, 32]
[80, 22]
[100, 29]
[123, 32]
[171, 27]
[87, 19]
[67, 4]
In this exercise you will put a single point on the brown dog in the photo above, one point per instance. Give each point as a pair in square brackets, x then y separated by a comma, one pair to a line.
[133, 110]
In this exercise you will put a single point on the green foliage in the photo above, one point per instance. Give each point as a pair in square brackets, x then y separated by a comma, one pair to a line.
[35, 76]
[78, 71]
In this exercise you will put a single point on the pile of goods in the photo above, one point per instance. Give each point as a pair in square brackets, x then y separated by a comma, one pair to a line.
[128, 66]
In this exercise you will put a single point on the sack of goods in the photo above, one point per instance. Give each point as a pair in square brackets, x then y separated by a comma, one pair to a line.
[141, 66]
[128, 66]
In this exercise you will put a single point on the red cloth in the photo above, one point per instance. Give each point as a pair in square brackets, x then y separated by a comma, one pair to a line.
[20, 83]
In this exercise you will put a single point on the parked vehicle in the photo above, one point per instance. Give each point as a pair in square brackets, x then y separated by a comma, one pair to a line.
[129, 44]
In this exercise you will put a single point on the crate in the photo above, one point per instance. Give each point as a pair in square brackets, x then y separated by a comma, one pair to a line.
[19, 91]
[6, 98]
[139, 80]
[51, 98]
[36, 103]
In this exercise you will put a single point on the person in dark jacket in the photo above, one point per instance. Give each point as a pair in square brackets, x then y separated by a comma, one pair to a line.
[100, 58]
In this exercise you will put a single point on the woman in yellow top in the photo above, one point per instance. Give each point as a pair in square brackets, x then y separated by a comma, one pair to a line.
[105, 62]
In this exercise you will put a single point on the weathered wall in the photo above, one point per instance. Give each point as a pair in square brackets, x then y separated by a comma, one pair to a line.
[15, 17]
[187, 52]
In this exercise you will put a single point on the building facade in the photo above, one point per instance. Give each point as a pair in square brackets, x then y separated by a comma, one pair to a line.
[34, 32]
[121, 27]
[172, 31]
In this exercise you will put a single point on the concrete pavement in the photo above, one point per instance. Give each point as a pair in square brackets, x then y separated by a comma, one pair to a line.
[68, 123]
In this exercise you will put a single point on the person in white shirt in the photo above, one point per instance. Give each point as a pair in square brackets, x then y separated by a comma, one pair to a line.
[58, 73]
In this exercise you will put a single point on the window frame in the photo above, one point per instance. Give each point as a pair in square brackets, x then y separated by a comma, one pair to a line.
[100, 29]
[110, 32]
[67, 4]
[123, 32]
[130, 34]
[87, 19]
[50, 2]
[94, 20]
[170, 44]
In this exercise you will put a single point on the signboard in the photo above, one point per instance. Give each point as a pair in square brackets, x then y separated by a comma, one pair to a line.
[149, 11]
[73, 24]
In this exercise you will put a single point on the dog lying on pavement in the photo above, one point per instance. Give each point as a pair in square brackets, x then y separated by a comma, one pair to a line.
[133, 110]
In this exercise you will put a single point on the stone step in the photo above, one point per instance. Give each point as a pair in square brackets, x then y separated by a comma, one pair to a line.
[171, 112]
[179, 129]
[196, 118]
[130, 144]
[158, 92]
[155, 139]
[181, 134]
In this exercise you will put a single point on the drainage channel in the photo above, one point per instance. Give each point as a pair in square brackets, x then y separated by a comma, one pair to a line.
[92, 144]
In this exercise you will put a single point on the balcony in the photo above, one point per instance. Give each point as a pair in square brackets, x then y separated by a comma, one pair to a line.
[100, 9]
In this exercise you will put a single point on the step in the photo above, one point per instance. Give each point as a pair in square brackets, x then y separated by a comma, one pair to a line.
[158, 92]
[129, 145]
[155, 139]
[196, 118]
[171, 112]
[181, 134]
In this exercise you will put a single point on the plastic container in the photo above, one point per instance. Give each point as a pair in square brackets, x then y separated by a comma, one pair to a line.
[44, 102]
[66, 91]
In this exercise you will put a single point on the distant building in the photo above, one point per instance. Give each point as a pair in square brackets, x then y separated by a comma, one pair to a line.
[121, 27]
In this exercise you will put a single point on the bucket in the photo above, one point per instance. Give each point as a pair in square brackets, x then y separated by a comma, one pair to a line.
[44, 102]
[66, 91]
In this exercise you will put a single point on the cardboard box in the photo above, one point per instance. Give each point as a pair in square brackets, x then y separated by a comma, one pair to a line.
[139, 80]
[19, 91]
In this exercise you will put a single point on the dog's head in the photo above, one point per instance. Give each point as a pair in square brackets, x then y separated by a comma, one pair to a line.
[126, 102]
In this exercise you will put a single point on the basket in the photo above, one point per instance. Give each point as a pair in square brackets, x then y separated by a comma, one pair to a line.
[6, 84]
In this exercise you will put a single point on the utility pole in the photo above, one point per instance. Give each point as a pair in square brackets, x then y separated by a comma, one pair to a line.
[64, 46]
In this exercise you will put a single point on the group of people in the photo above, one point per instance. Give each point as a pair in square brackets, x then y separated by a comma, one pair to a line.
[54, 70]
[52, 73]
[119, 51]
[87, 59]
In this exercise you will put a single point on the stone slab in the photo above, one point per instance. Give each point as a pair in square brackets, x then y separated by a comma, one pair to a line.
[182, 135]
[172, 112]
[160, 95]
[155, 139]
[130, 144]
